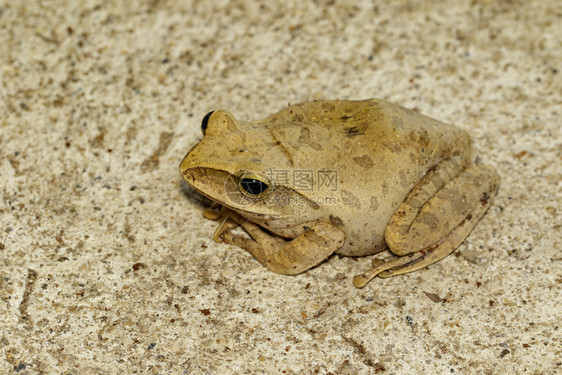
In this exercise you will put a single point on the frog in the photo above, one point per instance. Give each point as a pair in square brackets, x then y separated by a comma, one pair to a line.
[347, 177]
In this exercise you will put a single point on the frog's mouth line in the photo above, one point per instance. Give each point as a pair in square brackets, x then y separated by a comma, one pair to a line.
[272, 223]
[205, 180]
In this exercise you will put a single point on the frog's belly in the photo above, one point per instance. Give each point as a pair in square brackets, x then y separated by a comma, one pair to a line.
[361, 244]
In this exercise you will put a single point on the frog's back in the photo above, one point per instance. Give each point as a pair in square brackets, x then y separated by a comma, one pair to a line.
[372, 127]
[379, 150]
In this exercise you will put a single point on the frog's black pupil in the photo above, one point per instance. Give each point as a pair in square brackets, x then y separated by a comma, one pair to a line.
[253, 186]
[205, 121]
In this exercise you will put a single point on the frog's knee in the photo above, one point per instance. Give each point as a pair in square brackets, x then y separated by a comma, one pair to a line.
[398, 240]
[465, 197]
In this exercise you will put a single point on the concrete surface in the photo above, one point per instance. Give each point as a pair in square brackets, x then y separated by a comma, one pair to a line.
[108, 267]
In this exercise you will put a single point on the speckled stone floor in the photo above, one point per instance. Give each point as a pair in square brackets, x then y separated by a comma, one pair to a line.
[108, 267]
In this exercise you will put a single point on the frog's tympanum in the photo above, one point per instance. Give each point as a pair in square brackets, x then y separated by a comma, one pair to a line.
[346, 177]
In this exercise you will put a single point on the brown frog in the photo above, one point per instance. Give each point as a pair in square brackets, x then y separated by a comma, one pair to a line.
[346, 177]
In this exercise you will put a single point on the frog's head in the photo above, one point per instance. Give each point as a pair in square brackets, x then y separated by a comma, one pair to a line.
[237, 164]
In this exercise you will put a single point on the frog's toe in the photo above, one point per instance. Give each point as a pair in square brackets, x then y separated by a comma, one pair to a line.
[380, 267]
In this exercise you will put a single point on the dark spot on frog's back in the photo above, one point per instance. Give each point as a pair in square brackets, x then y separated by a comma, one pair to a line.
[350, 200]
[384, 187]
[424, 138]
[419, 137]
[298, 118]
[355, 130]
[364, 161]
[374, 204]
[393, 147]
[414, 159]
[334, 220]
[306, 139]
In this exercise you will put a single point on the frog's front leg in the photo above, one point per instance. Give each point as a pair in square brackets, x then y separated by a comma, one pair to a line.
[434, 219]
[287, 257]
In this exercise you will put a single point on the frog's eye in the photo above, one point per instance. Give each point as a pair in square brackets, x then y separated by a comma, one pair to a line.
[252, 184]
[205, 122]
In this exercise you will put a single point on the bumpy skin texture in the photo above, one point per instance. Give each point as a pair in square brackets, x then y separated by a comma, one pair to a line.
[402, 180]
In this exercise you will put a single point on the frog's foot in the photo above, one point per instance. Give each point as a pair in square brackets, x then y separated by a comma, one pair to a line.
[287, 257]
[217, 212]
[213, 212]
[419, 259]
[435, 217]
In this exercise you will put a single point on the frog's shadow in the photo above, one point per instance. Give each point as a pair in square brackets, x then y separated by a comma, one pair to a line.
[196, 198]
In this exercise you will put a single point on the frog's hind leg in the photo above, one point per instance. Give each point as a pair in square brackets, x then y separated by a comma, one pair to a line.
[436, 217]
[418, 259]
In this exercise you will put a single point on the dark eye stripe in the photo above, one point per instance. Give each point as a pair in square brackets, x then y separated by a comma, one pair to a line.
[205, 122]
[253, 186]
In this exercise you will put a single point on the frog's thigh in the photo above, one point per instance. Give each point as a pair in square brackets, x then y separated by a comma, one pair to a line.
[289, 257]
[398, 233]
[444, 221]
[421, 221]
[435, 230]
